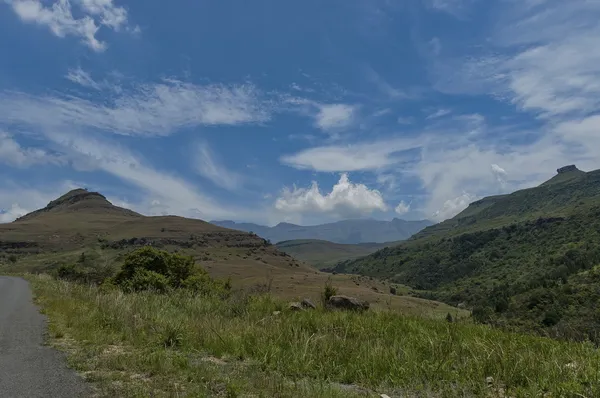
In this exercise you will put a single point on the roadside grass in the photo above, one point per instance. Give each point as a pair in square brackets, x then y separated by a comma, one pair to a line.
[178, 345]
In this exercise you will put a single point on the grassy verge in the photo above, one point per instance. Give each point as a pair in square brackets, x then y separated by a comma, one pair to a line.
[146, 344]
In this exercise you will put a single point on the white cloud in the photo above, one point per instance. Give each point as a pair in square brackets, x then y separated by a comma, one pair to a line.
[359, 156]
[82, 78]
[15, 211]
[150, 109]
[453, 206]
[439, 113]
[405, 120]
[500, 174]
[59, 18]
[175, 195]
[402, 208]
[346, 199]
[210, 167]
[334, 116]
[13, 154]
[17, 200]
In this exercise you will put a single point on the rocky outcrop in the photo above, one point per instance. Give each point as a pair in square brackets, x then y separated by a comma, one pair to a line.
[347, 303]
[567, 169]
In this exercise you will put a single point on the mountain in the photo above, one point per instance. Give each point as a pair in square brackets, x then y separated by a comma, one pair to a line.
[322, 254]
[345, 232]
[84, 227]
[528, 260]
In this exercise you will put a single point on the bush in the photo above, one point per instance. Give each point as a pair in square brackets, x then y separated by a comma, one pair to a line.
[12, 258]
[144, 279]
[175, 268]
[149, 268]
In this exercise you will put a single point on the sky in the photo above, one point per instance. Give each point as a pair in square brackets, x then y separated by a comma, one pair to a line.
[307, 111]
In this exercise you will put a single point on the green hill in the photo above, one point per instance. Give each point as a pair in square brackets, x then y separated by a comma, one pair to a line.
[322, 254]
[525, 260]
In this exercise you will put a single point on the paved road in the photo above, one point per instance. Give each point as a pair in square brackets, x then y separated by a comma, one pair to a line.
[29, 369]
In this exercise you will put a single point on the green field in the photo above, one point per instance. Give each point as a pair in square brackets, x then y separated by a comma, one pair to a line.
[179, 345]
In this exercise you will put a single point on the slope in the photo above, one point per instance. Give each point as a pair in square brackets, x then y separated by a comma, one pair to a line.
[524, 260]
[84, 227]
[322, 254]
[345, 232]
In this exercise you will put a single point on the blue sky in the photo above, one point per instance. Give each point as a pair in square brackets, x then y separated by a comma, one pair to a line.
[305, 112]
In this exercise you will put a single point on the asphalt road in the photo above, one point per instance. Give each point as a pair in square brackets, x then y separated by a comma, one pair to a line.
[29, 369]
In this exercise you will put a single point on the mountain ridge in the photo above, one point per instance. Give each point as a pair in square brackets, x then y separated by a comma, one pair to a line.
[352, 231]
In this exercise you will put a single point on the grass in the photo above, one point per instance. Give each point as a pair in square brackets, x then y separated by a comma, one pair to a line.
[322, 254]
[146, 344]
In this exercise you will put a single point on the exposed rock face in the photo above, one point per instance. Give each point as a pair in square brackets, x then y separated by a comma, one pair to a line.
[347, 303]
[306, 303]
[567, 169]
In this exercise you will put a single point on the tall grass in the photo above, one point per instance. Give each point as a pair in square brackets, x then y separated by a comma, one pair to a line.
[185, 345]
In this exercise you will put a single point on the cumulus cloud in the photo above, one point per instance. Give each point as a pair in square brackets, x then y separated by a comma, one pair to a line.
[148, 109]
[346, 199]
[402, 208]
[453, 206]
[17, 200]
[58, 17]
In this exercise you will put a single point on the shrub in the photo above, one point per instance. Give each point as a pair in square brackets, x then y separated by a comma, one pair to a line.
[144, 279]
[12, 258]
[175, 268]
[328, 292]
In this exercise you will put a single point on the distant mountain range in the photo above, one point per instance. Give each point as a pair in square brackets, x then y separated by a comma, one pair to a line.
[346, 232]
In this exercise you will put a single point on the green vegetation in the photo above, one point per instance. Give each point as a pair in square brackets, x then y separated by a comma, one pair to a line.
[181, 344]
[538, 274]
[323, 254]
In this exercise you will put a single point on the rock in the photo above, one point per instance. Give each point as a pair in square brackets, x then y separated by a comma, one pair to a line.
[462, 306]
[296, 306]
[347, 303]
[275, 313]
[489, 380]
[306, 303]
[384, 396]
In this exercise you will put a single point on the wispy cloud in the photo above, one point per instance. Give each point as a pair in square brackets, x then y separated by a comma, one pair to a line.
[59, 18]
[83, 78]
[346, 199]
[174, 194]
[13, 154]
[439, 113]
[334, 116]
[209, 166]
[358, 156]
[148, 109]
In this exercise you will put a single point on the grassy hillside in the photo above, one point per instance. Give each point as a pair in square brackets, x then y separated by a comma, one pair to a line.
[535, 274]
[84, 227]
[145, 344]
[564, 194]
[323, 254]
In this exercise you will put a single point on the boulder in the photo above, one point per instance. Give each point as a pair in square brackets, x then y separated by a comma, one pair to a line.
[306, 303]
[347, 303]
[295, 306]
